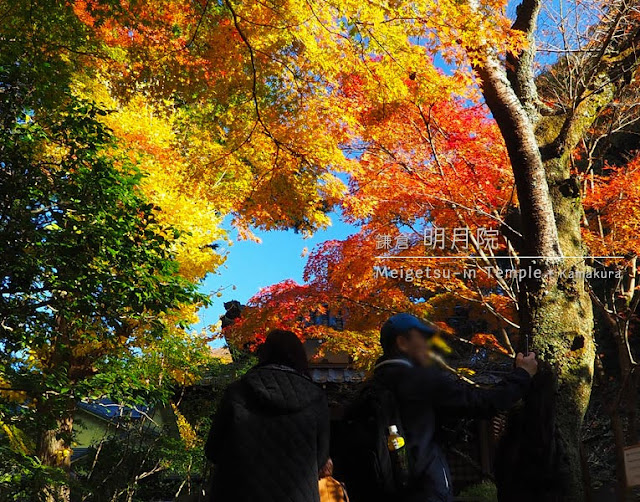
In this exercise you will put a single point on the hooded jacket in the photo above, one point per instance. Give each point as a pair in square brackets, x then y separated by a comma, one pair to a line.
[427, 394]
[269, 438]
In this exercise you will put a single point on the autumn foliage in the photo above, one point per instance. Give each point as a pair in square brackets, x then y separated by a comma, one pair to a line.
[420, 166]
[271, 115]
[612, 206]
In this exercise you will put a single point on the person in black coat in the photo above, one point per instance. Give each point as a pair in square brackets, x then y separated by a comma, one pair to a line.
[270, 434]
[425, 394]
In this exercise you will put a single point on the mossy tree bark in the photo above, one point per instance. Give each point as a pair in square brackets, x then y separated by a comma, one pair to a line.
[554, 303]
[54, 450]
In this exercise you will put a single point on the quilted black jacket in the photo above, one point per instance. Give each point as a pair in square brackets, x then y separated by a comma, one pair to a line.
[269, 438]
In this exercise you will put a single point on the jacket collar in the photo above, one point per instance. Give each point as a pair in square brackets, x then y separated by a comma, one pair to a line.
[281, 367]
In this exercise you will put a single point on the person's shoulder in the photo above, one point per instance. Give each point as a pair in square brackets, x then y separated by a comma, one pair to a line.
[240, 384]
[387, 365]
[417, 371]
[417, 379]
[314, 389]
[236, 387]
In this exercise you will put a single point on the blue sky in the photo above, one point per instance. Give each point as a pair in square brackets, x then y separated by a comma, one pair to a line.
[251, 266]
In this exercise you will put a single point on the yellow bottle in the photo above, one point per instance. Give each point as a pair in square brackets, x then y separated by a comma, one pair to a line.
[399, 458]
[395, 441]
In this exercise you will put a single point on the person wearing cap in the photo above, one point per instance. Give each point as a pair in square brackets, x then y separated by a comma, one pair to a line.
[425, 392]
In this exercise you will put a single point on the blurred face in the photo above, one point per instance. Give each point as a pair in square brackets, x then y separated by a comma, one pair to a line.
[415, 346]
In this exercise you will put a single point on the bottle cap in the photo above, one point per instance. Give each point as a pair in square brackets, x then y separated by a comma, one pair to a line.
[393, 429]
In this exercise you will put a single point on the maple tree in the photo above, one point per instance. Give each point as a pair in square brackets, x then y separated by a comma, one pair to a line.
[443, 181]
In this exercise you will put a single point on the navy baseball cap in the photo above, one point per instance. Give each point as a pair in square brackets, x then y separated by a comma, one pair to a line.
[400, 324]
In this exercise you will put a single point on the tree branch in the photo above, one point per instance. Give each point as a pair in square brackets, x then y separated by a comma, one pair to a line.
[520, 67]
[538, 222]
[605, 73]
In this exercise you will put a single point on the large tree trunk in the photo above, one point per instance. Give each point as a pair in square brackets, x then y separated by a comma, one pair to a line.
[54, 450]
[558, 316]
[554, 306]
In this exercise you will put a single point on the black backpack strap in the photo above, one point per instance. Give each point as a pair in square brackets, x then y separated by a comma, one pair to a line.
[393, 361]
[389, 391]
